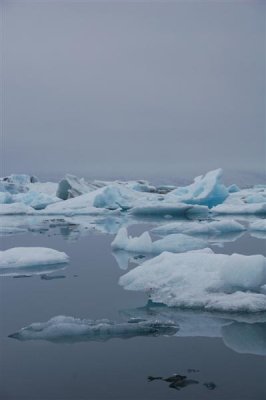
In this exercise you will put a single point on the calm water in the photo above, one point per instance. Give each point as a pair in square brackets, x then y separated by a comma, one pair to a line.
[115, 369]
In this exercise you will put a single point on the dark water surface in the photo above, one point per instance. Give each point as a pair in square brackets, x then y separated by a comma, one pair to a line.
[115, 369]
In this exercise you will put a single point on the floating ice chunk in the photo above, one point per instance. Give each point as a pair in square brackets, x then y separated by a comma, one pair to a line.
[209, 281]
[200, 228]
[246, 338]
[206, 190]
[113, 197]
[240, 209]
[63, 329]
[21, 179]
[48, 188]
[36, 200]
[71, 186]
[258, 225]
[233, 188]
[15, 208]
[31, 256]
[258, 229]
[164, 209]
[5, 198]
[144, 244]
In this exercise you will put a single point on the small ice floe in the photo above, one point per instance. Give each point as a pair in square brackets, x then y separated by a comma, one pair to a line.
[62, 329]
[143, 244]
[202, 280]
[19, 257]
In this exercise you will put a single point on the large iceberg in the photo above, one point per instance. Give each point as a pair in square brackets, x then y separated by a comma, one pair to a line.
[36, 200]
[143, 243]
[202, 280]
[31, 256]
[62, 329]
[205, 190]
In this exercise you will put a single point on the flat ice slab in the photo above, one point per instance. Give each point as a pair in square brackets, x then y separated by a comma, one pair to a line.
[202, 280]
[68, 329]
[31, 256]
[143, 243]
[200, 228]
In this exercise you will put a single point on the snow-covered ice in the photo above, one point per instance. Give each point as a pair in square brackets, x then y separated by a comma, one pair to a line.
[69, 329]
[31, 256]
[143, 243]
[201, 280]
[15, 208]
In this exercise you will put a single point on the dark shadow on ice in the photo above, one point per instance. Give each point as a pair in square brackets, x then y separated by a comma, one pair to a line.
[50, 278]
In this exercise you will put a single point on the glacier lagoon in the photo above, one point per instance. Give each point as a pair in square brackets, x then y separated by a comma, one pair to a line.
[223, 352]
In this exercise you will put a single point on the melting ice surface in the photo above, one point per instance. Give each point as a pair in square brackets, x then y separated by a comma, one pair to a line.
[68, 329]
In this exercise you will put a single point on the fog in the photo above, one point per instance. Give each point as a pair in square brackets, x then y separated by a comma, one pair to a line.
[133, 88]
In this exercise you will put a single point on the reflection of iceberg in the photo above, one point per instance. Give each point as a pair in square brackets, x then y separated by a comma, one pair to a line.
[143, 243]
[162, 209]
[243, 333]
[124, 257]
[245, 338]
[63, 329]
[202, 280]
[31, 270]
[21, 257]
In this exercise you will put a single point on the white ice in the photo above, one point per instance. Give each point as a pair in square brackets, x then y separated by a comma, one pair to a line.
[200, 228]
[31, 256]
[70, 329]
[143, 243]
[201, 280]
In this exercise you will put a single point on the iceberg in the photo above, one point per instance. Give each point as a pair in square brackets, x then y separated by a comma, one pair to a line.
[240, 209]
[71, 186]
[143, 243]
[15, 208]
[258, 225]
[217, 282]
[213, 228]
[62, 329]
[19, 257]
[258, 229]
[205, 190]
[36, 200]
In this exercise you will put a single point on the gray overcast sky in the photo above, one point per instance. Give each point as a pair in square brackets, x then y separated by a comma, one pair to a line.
[100, 88]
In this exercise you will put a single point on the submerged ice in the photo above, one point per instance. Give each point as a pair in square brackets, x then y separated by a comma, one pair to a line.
[63, 329]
